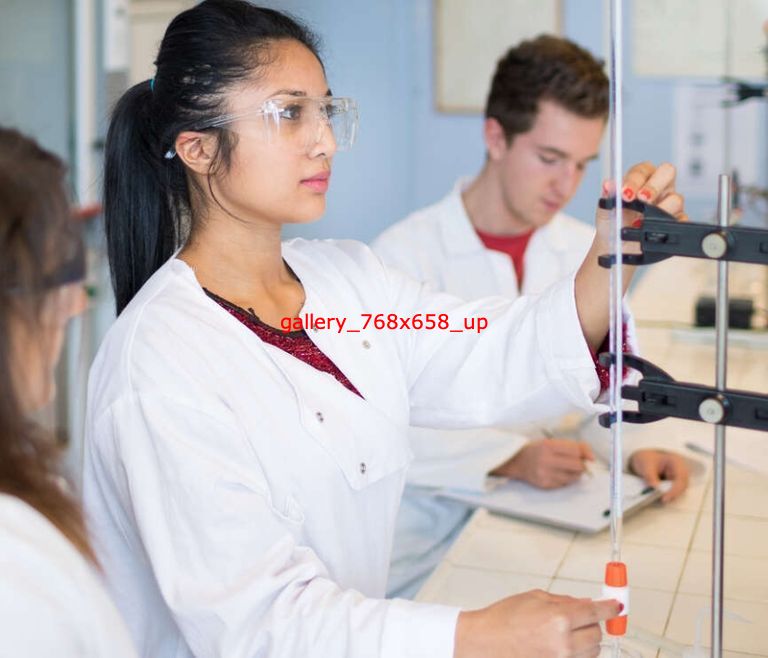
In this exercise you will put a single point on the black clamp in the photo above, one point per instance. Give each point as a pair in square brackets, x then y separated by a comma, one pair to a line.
[661, 236]
[658, 396]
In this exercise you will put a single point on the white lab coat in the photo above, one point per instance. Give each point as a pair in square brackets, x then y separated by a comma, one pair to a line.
[439, 245]
[51, 599]
[244, 503]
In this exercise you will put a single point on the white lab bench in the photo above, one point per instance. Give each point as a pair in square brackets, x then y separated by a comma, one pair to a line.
[667, 549]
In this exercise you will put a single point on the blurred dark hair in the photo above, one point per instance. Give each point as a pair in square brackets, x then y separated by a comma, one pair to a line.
[546, 68]
[37, 239]
[205, 51]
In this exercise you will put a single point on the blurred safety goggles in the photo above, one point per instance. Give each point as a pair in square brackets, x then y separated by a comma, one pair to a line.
[65, 265]
[71, 269]
[296, 122]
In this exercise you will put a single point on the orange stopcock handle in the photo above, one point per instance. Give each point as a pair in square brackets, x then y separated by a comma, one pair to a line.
[616, 587]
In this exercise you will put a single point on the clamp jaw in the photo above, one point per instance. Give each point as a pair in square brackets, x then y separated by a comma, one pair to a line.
[662, 236]
[658, 396]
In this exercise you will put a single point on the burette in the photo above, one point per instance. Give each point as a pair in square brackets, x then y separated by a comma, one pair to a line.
[616, 583]
[615, 334]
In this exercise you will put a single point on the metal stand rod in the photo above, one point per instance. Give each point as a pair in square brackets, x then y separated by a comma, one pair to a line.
[718, 509]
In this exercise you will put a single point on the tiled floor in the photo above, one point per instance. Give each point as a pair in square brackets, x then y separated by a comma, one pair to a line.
[666, 550]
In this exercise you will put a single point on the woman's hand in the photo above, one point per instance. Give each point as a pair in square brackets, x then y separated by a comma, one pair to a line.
[535, 623]
[654, 185]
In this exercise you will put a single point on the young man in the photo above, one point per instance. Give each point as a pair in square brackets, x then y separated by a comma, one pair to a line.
[504, 233]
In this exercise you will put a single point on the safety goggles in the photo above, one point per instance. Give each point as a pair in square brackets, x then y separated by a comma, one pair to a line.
[296, 122]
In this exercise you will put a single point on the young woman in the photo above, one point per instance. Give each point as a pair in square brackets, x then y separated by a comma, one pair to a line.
[243, 480]
[52, 603]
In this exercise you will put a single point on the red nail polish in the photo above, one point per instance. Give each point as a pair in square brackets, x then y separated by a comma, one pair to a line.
[645, 194]
[637, 223]
[621, 608]
[628, 194]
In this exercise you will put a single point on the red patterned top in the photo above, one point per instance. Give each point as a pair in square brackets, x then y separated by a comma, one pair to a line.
[295, 343]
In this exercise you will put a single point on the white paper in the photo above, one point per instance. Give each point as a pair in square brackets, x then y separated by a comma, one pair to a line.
[581, 506]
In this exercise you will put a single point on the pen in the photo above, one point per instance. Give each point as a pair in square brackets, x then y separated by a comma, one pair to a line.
[644, 492]
[587, 470]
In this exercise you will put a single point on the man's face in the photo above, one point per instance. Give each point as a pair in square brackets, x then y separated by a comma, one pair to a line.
[541, 170]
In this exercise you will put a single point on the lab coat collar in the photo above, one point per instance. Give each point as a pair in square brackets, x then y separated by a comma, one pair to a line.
[458, 234]
[556, 239]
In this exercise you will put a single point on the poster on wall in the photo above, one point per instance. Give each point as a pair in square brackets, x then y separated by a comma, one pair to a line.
[699, 38]
[470, 37]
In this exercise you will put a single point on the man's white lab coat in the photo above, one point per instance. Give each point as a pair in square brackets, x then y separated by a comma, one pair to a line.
[439, 245]
[243, 503]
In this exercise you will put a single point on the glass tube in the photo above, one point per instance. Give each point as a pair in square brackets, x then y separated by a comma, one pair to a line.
[616, 315]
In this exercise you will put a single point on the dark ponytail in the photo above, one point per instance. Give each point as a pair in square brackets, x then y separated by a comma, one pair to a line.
[147, 206]
[142, 229]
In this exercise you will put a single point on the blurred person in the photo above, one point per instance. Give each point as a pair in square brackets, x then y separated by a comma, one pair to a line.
[51, 599]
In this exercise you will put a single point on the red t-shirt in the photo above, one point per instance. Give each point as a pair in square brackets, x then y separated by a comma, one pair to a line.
[515, 247]
[512, 245]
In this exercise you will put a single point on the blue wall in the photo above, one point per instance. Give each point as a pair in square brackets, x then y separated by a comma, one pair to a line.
[35, 95]
[408, 154]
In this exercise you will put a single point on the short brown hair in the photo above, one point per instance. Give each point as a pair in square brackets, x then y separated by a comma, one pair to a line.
[546, 68]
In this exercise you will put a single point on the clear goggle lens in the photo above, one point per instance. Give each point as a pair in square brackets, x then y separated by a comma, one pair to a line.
[299, 123]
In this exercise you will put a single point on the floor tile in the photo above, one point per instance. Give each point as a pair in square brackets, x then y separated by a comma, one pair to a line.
[650, 567]
[745, 578]
[489, 521]
[749, 638]
[538, 553]
[742, 498]
[661, 527]
[744, 535]
[475, 588]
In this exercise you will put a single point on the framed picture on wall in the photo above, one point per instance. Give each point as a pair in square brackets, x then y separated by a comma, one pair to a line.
[470, 37]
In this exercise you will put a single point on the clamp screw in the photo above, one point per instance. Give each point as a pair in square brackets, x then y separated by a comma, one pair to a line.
[713, 410]
[714, 245]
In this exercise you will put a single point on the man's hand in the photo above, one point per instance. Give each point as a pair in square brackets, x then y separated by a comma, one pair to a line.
[547, 463]
[655, 465]
[533, 624]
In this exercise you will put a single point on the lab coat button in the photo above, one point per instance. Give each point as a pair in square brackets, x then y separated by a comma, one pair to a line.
[319, 416]
[363, 468]
[366, 345]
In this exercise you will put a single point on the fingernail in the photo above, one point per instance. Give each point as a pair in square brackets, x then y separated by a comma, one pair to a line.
[628, 194]
[637, 223]
[644, 194]
[621, 608]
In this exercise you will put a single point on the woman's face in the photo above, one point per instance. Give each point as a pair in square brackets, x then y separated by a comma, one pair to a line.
[36, 348]
[270, 179]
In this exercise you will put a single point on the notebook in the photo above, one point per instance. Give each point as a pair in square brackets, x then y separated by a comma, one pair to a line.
[582, 506]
